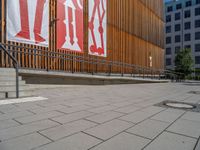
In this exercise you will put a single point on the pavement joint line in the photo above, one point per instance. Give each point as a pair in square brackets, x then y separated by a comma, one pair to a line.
[164, 130]
[21, 100]
[182, 134]
[93, 121]
[93, 136]
[138, 135]
[197, 145]
[54, 121]
[45, 136]
[17, 121]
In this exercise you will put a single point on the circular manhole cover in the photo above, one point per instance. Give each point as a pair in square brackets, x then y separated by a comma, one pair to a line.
[179, 105]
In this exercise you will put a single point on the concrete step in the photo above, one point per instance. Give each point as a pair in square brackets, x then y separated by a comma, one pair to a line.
[9, 78]
[12, 94]
[11, 83]
[9, 88]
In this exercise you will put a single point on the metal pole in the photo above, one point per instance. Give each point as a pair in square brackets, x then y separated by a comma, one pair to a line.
[17, 81]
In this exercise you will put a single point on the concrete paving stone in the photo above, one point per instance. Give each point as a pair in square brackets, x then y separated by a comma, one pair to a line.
[136, 117]
[122, 104]
[67, 129]
[96, 104]
[38, 117]
[29, 105]
[26, 129]
[170, 141]
[148, 128]
[72, 117]
[15, 115]
[9, 108]
[7, 124]
[166, 116]
[152, 110]
[123, 141]
[186, 127]
[74, 109]
[109, 129]
[48, 109]
[102, 109]
[78, 141]
[104, 117]
[128, 109]
[193, 116]
[26, 142]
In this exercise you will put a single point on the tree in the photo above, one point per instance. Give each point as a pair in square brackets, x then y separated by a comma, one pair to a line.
[184, 62]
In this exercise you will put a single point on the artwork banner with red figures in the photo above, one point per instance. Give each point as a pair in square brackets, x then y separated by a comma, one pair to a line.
[98, 28]
[70, 25]
[28, 21]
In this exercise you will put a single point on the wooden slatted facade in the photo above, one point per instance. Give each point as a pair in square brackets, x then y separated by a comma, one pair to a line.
[135, 31]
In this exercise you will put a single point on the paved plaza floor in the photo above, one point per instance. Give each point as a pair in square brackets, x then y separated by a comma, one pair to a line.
[113, 117]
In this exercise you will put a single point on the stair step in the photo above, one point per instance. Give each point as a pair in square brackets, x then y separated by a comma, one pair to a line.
[9, 78]
[7, 70]
[13, 88]
[11, 83]
[28, 93]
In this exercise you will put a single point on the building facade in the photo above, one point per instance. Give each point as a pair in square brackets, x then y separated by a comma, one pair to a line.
[134, 35]
[182, 30]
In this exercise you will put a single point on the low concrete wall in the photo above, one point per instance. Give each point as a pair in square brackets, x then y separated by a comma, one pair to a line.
[44, 77]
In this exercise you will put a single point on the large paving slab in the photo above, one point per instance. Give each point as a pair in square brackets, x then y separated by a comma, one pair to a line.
[104, 117]
[26, 142]
[72, 117]
[123, 141]
[78, 141]
[108, 129]
[26, 129]
[149, 128]
[170, 141]
[8, 123]
[186, 127]
[62, 131]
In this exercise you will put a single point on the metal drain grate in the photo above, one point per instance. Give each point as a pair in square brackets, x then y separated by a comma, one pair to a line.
[179, 105]
[194, 92]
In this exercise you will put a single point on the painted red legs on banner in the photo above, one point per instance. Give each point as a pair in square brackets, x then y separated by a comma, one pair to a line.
[38, 21]
[96, 9]
[25, 32]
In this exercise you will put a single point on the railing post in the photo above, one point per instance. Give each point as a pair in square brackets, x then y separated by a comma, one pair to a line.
[17, 81]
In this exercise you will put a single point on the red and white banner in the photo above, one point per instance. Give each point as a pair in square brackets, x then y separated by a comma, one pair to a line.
[28, 21]
[97, 27]
[70, 25]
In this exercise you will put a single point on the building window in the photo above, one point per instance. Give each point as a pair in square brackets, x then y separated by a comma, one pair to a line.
[168, 51]
[168, 18]
[197, 36]
[187, 37]
[197, 60]
[177, 27]
[168, 29]
[197, 23]
[187, 25]
[187, 14]
[177, 16]
[197, 11]
[177, 38]
[168, 40]
[188, 3]
[187, 46]
[177, 49]
[168, 62]
[197, 47]
[169, 9]
[197, 1]
[178, 6]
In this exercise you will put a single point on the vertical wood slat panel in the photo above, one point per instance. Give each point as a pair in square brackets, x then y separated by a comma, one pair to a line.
[134, 32]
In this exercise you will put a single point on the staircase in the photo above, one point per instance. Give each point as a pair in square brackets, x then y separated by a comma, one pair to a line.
[8, 85]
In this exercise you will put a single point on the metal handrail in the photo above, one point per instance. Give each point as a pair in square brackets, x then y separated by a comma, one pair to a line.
[141, 71]
[16, 65]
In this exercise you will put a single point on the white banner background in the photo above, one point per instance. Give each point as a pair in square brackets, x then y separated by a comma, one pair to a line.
[14, 22]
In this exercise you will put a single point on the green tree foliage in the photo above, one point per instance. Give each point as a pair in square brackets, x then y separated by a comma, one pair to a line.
[184, 62]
